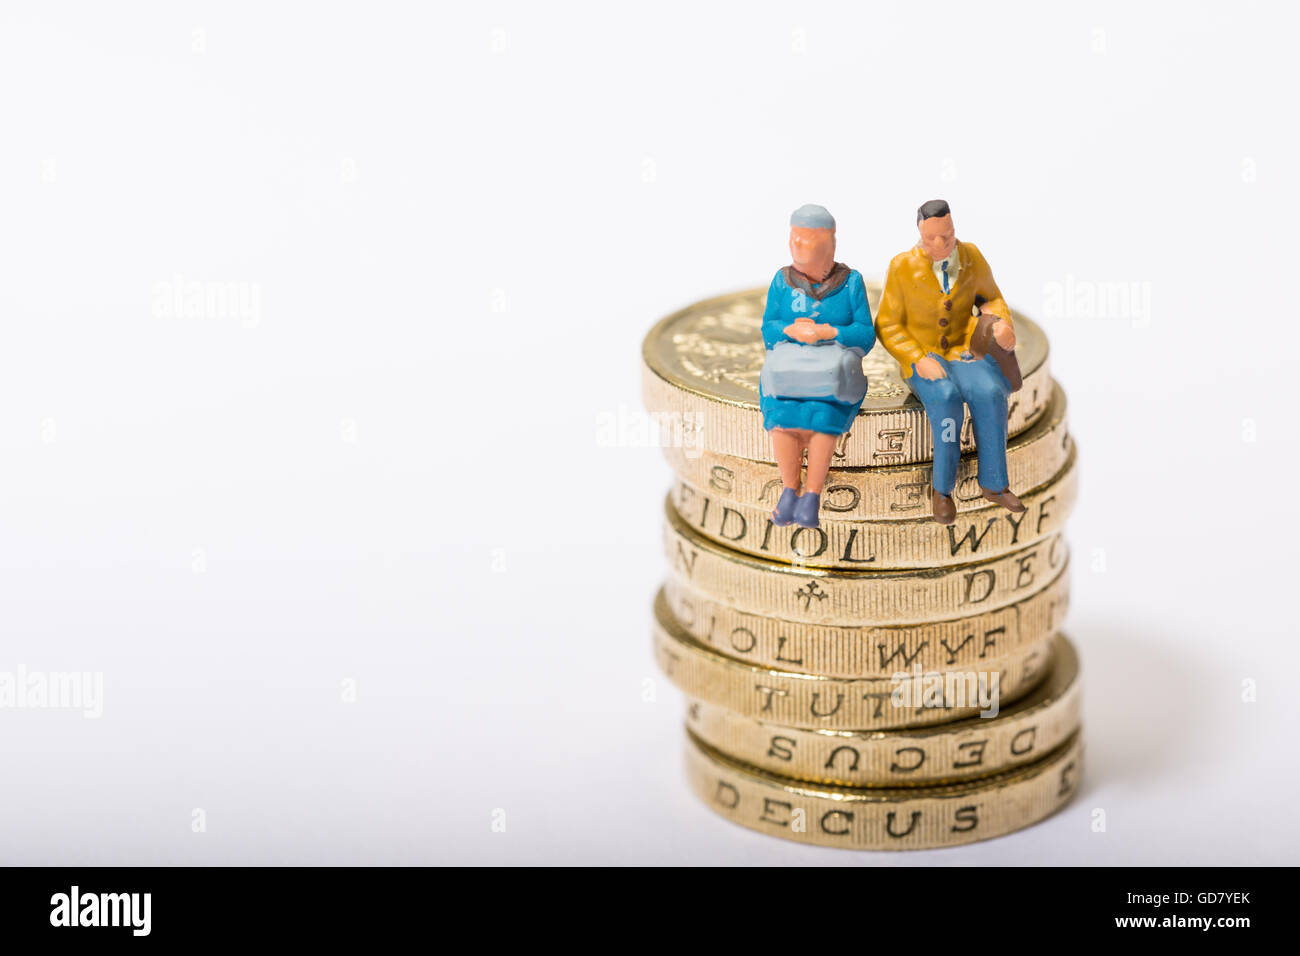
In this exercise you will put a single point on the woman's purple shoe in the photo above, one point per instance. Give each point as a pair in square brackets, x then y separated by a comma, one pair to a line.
[805, 511]
[784, 513]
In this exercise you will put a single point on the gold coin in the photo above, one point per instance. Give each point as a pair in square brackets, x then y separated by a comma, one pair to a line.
[898, 491]
[908, 818]
[976, 747]
[867, 651]
[912, 698]
[905, 543]
[857, 598]
[700, 369]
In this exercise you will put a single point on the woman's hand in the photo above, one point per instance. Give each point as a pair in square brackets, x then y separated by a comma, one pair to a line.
[802, 330]
[808, 332]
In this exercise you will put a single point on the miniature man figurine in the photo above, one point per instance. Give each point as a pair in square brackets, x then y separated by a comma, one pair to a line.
[935, 294]
[817, 329]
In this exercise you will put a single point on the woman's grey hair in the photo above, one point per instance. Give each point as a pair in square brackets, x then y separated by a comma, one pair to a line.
[812, 217]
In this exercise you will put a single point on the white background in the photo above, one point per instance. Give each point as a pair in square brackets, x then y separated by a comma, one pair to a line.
[459, 223]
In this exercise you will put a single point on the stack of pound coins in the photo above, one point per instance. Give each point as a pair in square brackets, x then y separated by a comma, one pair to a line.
[882, 681]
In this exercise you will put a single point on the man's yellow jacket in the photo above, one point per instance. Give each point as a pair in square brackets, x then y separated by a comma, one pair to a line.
[915, 317]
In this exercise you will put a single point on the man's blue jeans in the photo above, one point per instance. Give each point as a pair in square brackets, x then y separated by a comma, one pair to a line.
[982, 386]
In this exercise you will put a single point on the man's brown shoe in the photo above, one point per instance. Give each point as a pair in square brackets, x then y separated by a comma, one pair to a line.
[1004, 498]
[945, 512]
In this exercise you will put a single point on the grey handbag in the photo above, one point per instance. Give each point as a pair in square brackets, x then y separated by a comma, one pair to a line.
[825, 370]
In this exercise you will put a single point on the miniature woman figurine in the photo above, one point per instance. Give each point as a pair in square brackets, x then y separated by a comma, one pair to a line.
[817, 328]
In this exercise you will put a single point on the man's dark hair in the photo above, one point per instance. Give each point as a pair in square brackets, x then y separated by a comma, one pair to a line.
[934, 209]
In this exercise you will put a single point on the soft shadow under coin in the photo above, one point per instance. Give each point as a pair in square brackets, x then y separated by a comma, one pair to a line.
[1145, 710]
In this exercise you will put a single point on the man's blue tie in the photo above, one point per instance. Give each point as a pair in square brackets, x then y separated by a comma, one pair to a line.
[945, 276]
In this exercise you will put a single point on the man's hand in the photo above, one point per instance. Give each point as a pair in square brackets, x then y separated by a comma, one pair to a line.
[1004, 334]
[930, 369]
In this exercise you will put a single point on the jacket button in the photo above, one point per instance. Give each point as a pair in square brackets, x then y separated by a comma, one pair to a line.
[947, 304]
[943, 323]
[943, 342]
